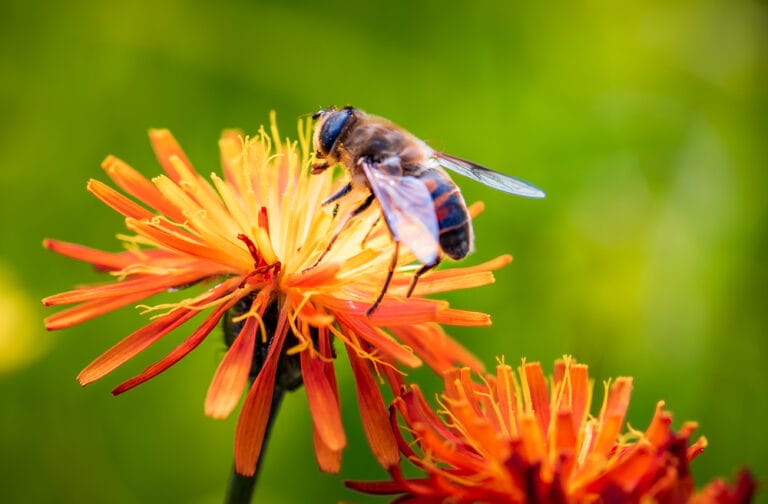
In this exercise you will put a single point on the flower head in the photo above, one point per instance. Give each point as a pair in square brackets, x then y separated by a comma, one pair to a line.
[252, 235]
[518, 441]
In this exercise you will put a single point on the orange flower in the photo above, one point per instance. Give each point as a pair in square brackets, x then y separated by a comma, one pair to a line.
[251, 235]
[504, 440]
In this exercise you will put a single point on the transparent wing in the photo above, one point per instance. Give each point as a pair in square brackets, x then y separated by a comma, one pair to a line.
[408, 210]
[489, 177]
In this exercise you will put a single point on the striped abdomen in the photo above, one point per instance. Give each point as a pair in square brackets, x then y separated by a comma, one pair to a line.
[452, 216]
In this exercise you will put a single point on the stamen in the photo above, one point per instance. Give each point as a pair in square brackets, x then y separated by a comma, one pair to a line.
[264, 220]
[251, 248]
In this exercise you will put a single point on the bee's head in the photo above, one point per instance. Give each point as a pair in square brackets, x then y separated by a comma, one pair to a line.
[330, 126]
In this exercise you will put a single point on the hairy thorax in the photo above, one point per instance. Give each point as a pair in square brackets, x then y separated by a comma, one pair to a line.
[379, 141]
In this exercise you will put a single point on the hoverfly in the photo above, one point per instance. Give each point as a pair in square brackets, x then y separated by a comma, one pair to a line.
[422, 207]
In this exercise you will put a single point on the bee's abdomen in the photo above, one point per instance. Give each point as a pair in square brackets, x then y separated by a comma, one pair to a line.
[452, 215]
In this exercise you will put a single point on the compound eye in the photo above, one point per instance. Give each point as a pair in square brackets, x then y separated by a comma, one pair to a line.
[332, 128]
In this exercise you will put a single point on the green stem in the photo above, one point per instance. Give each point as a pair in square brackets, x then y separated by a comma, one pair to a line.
[241, 487]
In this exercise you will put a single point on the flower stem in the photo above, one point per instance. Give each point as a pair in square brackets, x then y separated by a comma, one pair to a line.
[241, 487]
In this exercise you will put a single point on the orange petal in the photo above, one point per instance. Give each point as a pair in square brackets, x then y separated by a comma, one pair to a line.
[252, 422]
[461, 278]
[317, 276]
[231, 148]
[135, 184]
[148, 285]
[133, 211]
[628, 472]
[696, 449]
[418, 409]
[323, 403]
[505, 392]
[658, 431]
[484, 437]
[199, 191]
[130, 346]
[181, 242]
[618, 396]
[86, 311]
[616, 405]
[166, 147]
[100, 259]
[436, 348]
[452, 283]
[533, 445]
[464, 318]
[378, 339]
[117, 201]
[448, 453]
[580, 394]
[391, 312]
[537, 397]
[232, 374]
[179, 352]
[329, 461]
[565, 449]
[373, 413]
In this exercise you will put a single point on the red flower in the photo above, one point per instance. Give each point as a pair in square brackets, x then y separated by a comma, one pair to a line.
[251, 235]
[504, 440]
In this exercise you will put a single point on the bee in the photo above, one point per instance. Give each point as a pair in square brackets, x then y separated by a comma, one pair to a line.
[422, 207]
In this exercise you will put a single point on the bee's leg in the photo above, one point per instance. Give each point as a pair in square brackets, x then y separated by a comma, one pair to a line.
[384, 288]
[343, 191]
[363, 206]
[421, 271]
[370, 231]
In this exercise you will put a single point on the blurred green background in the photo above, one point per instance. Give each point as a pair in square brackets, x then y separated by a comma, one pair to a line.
[644, 122]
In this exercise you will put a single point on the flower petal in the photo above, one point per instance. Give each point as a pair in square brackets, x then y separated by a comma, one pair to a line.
[117, 201]
[185, 244]
[373, 413]
[328, 460]
[438, 350]
[614, 410]
[100, 259]
[464, 318]
[323, 403]
[536, 394]
[166, 147]
[130, 346]
[179, 352]
[232, 374]
[148, 285]
[135, 184]
[378, 339]
[252, 422]
[86, 311]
